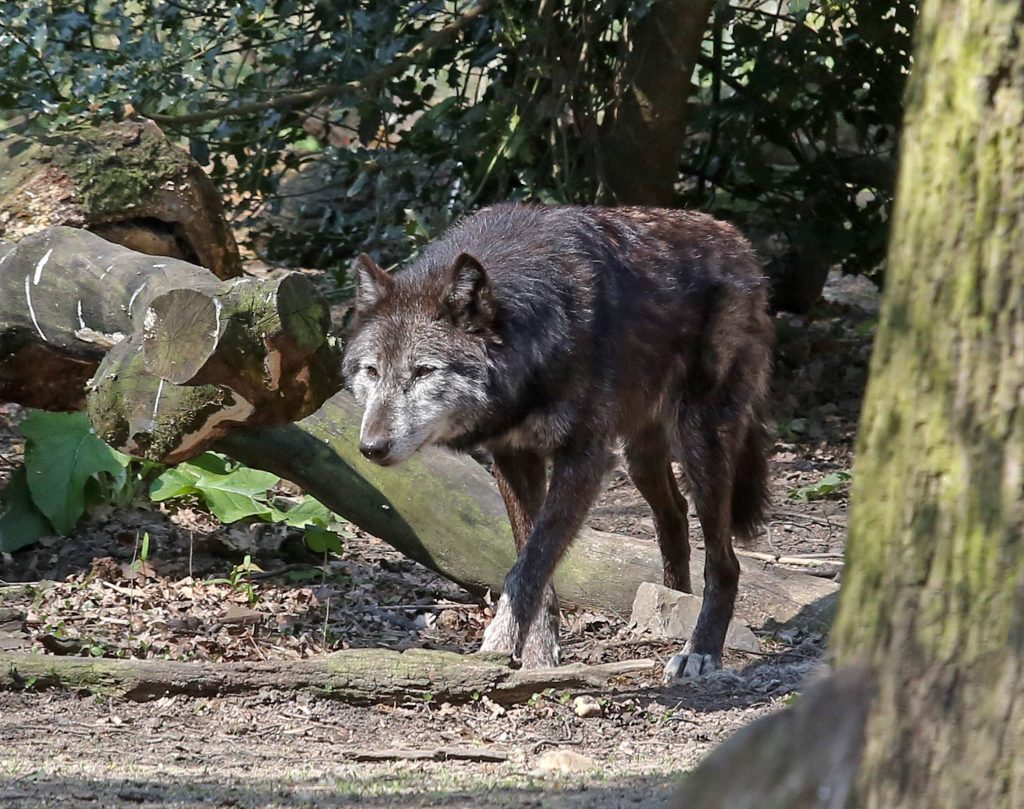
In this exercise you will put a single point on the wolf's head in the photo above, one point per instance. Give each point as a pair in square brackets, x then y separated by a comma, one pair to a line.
[417, 357]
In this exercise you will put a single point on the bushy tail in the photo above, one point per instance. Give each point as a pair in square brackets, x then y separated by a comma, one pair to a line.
[751, 496]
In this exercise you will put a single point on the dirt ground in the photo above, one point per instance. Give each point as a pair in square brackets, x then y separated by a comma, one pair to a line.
[275, 749]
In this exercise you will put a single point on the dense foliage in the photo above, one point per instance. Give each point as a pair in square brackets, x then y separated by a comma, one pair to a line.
[792, 125]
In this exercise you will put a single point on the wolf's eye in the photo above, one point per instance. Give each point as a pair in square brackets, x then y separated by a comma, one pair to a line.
[371, 372]
[421, 371]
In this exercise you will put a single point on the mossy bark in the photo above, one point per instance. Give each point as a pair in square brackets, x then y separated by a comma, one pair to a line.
[933, 595]
[66, 296]
[76, 308]
[804, 757]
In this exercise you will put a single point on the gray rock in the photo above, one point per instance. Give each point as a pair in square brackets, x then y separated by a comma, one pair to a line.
[667, 613]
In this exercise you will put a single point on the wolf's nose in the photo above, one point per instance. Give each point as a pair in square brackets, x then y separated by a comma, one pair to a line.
[375, 449]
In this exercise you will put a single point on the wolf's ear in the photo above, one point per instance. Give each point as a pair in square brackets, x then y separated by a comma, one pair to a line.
[468, 297]
[372, 283]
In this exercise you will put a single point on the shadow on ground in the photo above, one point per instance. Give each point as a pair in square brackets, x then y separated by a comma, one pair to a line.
[397, 789]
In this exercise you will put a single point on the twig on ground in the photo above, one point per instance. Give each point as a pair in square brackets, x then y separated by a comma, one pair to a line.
[797, 561]
[439, 607]
[791, 524]
[795, 515]
[768, 537]
[436, 754]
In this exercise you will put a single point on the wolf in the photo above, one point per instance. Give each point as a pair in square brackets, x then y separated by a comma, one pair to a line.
[550, 335]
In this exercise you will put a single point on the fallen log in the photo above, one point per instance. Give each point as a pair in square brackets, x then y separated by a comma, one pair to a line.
[75, 307]
[359, 676]
[125, 182]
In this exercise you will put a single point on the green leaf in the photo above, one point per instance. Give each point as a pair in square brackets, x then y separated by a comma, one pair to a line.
[320, 540]
[61, 454]
[822, 488]
[230, 492]
[231, 506]
[307, 512]
[179, 481]
[243, 480]
[21, 522]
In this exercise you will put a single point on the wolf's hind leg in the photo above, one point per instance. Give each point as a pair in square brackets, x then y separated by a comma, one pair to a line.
[650, 467]
[709, 448]
[522, 481]
[576, 476]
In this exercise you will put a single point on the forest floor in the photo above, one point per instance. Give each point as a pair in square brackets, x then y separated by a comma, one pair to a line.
[279, 749]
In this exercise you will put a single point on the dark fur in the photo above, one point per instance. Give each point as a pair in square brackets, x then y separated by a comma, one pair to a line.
[574, 328]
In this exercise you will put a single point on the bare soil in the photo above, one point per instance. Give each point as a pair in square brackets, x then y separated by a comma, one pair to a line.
[186, 600]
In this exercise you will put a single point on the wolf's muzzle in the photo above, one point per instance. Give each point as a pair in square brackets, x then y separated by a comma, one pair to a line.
[375, 449]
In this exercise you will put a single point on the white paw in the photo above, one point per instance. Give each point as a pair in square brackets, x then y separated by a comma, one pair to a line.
[502, 634]
[541, 654]
[687, 666]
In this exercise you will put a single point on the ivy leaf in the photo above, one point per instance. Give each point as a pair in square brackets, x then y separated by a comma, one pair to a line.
[62, 453]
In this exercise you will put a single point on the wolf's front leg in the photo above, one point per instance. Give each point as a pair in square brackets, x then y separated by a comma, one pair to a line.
[576, 477]
[522, 481]
[539, 648]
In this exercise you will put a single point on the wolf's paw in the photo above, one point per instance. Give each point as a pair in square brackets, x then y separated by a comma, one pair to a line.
[502, 634]
[541, 652]
[687, 666]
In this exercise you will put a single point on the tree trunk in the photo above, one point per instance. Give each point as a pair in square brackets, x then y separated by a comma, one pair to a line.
[805, 757]
[934, 595]
[644, 134]
[124, 182]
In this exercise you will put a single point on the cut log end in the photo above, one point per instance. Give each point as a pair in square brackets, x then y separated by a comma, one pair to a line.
[181, 330]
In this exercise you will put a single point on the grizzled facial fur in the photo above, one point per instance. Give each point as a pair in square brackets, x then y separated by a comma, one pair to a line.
[417, 358]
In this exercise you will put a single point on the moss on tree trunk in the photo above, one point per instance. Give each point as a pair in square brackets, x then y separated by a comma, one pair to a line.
[934, 592]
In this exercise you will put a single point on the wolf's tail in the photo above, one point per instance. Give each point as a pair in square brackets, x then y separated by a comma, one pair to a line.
[751, 496]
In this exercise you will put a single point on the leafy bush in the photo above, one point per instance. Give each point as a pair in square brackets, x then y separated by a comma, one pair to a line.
[798, 120]
[293, 107]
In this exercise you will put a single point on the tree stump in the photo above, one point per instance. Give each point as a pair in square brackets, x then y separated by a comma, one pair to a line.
[124, 182]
